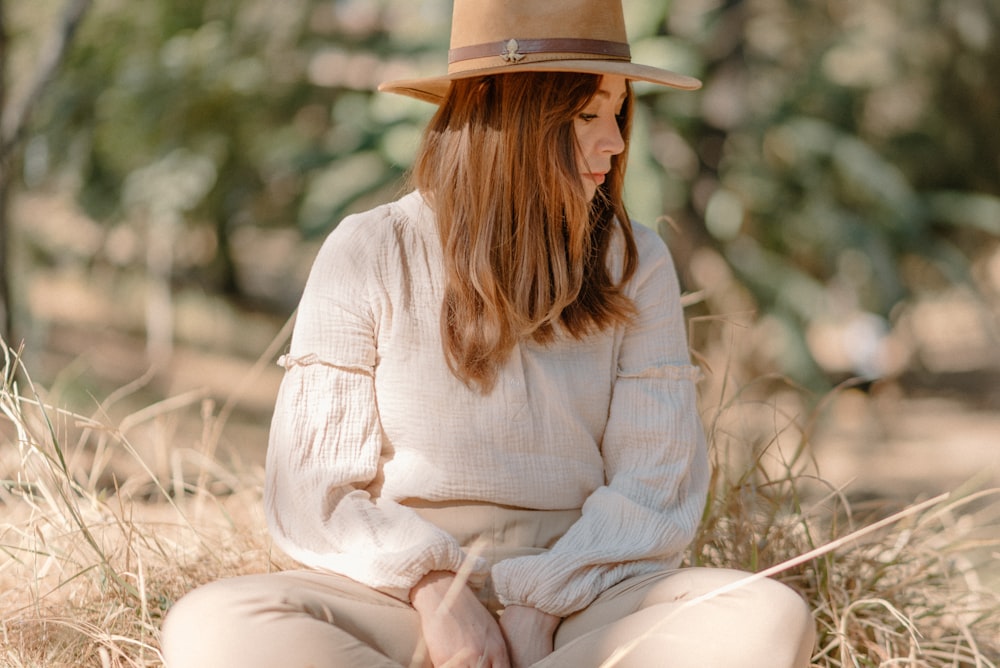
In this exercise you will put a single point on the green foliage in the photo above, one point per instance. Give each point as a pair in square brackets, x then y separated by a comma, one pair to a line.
[832, 143]
[232, 86]
[856, 136]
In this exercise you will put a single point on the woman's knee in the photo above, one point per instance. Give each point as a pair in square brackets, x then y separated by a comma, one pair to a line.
[782, 622]
[202, 617]
[767, 623]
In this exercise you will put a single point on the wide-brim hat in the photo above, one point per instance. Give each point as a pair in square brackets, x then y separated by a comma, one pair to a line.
[505, 36]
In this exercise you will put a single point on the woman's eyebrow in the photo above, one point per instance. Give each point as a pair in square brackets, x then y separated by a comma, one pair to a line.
[607, 95]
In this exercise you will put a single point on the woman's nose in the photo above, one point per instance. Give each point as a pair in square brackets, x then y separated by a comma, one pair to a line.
[611, 138]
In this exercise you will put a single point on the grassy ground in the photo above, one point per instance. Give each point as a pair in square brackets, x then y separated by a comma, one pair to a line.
[107, 521]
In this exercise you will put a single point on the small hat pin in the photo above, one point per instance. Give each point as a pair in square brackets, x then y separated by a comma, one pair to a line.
[510, 53]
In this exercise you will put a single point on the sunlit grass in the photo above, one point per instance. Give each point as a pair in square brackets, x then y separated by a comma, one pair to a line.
[90, 563]
[888, 585]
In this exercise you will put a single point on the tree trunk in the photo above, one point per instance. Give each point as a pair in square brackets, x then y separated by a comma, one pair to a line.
[6, 319]
[14, 117]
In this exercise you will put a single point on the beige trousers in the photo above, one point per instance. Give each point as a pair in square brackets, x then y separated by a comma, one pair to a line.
[300, 619]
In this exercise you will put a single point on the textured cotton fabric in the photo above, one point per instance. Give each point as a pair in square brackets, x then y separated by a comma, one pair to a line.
[370, 424]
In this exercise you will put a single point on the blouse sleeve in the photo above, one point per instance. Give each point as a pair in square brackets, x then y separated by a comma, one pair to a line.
[655, 461]
[326, 442]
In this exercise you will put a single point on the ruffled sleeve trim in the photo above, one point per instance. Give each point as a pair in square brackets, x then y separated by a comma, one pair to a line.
[678, 372]
[290, 362]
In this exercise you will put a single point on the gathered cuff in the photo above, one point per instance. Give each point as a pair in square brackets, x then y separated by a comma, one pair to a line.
[289, 362]
[475, 572]
[678, 372]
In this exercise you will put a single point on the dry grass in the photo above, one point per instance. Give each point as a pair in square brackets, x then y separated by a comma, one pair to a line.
[888, 586]
[90, 562]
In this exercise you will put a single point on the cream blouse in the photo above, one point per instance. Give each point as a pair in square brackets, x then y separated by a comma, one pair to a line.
[369, 418]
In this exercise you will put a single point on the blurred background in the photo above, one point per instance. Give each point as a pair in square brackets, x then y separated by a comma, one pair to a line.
[831, 196]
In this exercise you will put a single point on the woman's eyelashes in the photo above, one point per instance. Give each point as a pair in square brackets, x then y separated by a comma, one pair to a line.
[587, 116]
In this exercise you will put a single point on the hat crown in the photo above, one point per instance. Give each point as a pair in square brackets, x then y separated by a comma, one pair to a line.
[476, 22]
[493, 37]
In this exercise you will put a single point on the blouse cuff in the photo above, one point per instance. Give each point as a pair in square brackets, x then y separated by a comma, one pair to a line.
[473, 571]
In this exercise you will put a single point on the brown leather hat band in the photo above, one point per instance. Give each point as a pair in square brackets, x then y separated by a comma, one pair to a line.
[513, 50]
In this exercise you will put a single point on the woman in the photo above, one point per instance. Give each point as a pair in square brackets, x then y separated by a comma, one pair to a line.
[486, 447]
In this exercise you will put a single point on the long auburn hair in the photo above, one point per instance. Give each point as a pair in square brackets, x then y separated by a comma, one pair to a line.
[525, 252]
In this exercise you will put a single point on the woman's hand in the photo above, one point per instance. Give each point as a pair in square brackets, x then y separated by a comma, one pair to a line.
[529, 633]
[459, 633]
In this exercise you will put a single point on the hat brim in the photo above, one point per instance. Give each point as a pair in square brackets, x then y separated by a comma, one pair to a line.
[434, 89]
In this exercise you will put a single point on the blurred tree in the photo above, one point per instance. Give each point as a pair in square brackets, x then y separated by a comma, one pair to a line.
[208, 127]
[832, 144]
[6, 326]
[837, 143]
[14, 118]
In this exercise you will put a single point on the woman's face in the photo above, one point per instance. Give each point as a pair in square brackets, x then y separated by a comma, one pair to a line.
[597, 135]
